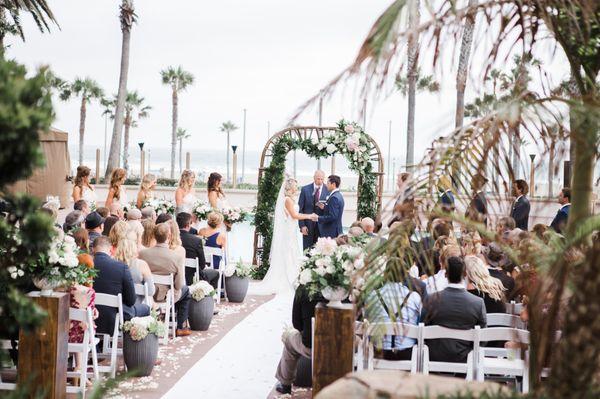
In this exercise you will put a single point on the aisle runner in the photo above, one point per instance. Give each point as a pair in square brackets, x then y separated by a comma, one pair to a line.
[243, 363]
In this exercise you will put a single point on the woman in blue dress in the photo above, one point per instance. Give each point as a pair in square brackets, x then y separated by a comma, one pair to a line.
[213, 233]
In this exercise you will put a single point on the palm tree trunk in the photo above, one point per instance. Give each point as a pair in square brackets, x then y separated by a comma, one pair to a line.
[228, 146]
[115, 142]
[174, 133]
[82, 113]
[180, 155]
[413, 53]
[127, 125]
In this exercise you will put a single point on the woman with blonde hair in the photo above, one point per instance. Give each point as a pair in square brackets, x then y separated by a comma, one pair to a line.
[127, 252]
[185, 197]
[118, 232]
[146, 186]
[82, 189]
[148, 240]
[116, 192]
[213, 233]
[175, 241]
[483, 285]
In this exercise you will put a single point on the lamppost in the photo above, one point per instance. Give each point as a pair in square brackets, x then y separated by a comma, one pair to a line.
[244, 148]
[234, 149]
[142, 160]
[532, 176]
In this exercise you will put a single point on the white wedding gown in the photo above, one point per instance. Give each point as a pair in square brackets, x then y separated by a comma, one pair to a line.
[285, 256]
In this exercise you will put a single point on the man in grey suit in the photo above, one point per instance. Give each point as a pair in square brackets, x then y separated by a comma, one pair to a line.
[454, 308]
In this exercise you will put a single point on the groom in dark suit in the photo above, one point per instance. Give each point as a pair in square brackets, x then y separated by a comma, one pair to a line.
[310, 195]
[330, 223]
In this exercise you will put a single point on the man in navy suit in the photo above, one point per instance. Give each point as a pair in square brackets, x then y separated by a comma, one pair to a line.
[521, 207]
[562, 216]
[330, 223]
[310, 195]
[477, 209]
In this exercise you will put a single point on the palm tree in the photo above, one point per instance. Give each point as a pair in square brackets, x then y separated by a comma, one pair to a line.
[412, 65]
[87, 89]
[135, 109]
[181, 135]
[463, 65]
[127, 17]
[38, 9]
[228, 127]
[179, 80]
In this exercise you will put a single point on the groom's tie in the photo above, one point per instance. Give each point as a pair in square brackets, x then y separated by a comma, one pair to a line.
[317, 194]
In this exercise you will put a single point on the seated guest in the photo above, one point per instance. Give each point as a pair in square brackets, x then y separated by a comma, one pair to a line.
[148, 213]
[453, 308]
[214, 235]
[114, 278]
[483, 285]
[103, 211]
[127, 252]
[74, 220]
[164, 261]
[193, 250]
[134, 218]
[562, 216]
[496, 261]
[109, 222]
[51, 209]
[134, 215]
[297, 342]
[82, 239]
[118, 232]
[82, 206]
[439, 281]
[355, 232]
[539, 230]
[163, 217]
[116, 210]
[175, 240]
[148, 233]
[368, 226]
[94, 224]
[504, 226]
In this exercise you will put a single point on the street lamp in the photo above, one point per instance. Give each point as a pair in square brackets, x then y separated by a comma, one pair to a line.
[142, 160]
[532, 176]
[234, 149]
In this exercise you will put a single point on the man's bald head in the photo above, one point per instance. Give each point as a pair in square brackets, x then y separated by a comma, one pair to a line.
[368, 225]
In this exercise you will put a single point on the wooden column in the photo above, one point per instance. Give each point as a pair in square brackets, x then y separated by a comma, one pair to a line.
[188, 160]
[333, 345]
[142, 164]
[43, 353]
[97, 165]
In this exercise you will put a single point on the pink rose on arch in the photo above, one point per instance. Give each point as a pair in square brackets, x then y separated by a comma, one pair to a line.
[352, 143]
[349, 129]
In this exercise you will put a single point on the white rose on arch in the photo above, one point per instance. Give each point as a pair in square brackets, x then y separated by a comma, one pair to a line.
[331, 148]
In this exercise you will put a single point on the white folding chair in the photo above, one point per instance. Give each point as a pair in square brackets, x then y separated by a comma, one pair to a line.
[514, 308]
[358, 359]
[168, 307]
[505, 320]
[5, 346]
[209, 254]
[193, 263]
[110, 344]
[377, 331]
[142, 290]
[439, 332]
[509, 366]
[85, 349]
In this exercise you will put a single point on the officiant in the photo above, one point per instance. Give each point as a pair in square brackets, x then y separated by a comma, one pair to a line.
[310, 195]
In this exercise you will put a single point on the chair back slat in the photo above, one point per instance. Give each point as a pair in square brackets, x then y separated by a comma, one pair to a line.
[107, 300]
[163, 279]
[141, 289]
[396, 329]
[504, 320]
[437, 332]
[504, 334]
[191, 263]
[76, 314]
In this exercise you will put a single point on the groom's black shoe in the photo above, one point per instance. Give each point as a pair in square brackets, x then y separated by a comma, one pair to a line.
[281, 388]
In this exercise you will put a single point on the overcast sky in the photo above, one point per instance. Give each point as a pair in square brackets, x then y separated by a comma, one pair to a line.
[264, 55]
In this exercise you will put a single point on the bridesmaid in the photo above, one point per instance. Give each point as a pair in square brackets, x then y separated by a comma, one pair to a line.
[216, 196]
[185, 195]
[82, 189]
[116, 192]
[214, 235]
[146, 187]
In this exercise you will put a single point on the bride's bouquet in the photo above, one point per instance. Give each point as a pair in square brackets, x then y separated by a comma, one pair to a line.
[330, 269]
[202, 209]
[232, 215]
[161, 206]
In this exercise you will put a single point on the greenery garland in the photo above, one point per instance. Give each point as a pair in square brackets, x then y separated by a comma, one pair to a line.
[349, 140]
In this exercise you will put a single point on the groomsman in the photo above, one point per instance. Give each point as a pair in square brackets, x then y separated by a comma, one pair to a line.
[330, 224]
[562, 216]
[521, 206]
[310, 195]
[478, 204]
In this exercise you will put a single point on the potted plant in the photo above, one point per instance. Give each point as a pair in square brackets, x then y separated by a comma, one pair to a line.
[237, 280]
[140, 343]
[330, 270]
[202, 305]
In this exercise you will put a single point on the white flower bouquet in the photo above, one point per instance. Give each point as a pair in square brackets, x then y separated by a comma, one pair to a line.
[139, 327]
[232, 215]
[202, 209]
[161, 206]
[202, 289]
[239, 268]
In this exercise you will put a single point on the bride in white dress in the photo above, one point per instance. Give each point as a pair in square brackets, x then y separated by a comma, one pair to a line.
[285, 256]
[185, 196]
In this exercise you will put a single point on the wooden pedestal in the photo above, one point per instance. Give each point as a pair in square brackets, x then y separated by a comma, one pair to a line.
[333, 345]
[43, 353]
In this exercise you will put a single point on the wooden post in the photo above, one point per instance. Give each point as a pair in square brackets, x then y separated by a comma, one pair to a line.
[43, 353]
[333, 345]
[97, 165]
[142, 164]
[188, 160]
[532, 176]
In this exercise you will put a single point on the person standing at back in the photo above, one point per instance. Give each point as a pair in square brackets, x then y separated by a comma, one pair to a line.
[562, 216]
[520, 208]
[310, 195]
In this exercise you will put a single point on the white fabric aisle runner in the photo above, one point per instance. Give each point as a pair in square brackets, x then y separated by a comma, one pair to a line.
[243, 363]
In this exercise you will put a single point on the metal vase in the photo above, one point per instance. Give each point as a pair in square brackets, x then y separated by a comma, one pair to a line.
[201, 313]
[140, 356]
[236, 288]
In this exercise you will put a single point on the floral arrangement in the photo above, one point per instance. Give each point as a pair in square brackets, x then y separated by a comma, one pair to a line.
[160, 206]
[202, 209]
[332, 266]
[139, 327]
[239, 268]
[233, 215]
[128, 207]
[201, 289]
[60, 264]
[349, 140]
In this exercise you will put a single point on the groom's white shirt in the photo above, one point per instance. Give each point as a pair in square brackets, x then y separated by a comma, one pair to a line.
[331, 193]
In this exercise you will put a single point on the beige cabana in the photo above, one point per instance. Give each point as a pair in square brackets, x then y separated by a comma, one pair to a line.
[53, 177]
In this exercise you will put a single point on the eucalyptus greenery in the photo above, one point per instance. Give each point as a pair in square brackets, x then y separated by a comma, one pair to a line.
[269, 185]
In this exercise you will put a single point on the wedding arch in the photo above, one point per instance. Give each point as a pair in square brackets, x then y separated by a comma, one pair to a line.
[347, 139]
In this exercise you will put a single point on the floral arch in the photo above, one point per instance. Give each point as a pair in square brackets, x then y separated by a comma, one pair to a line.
[347, 139]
